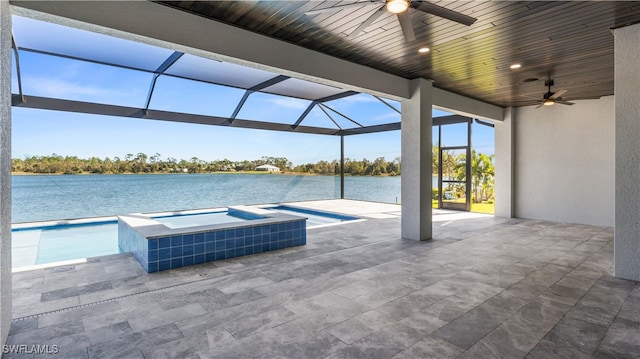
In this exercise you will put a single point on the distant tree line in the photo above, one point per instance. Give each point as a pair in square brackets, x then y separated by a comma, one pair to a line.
[143, 163]
[377, 167]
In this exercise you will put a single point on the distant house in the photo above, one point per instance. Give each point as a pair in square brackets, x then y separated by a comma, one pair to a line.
[268, 168]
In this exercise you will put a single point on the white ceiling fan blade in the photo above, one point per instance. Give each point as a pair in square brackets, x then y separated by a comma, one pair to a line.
[339, 7]
[557, 94]
[376, 14]
[407, 27]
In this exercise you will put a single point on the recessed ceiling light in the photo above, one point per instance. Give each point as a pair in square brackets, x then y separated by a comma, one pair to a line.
[423, 50]
[515, 66]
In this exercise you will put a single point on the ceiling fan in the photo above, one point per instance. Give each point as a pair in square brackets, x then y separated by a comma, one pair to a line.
[400, 9]
[550, 98]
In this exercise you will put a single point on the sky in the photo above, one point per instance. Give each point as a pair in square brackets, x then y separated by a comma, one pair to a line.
[43, 132]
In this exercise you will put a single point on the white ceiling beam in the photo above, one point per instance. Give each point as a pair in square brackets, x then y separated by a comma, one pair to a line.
[466, 106]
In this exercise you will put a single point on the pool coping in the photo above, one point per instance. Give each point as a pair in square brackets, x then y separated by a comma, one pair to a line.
[61, 223]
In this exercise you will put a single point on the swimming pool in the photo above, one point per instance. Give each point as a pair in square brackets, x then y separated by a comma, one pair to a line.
[41, 244]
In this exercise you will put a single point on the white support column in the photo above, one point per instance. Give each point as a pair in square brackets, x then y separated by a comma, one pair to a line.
[505, 155]
[416, 161]
[627, 153]
[5, 170]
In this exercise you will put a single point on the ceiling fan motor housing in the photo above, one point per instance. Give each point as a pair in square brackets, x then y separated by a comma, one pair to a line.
[548, 83]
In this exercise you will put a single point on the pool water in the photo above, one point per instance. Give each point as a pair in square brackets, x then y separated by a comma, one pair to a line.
[314, 218]
[192, 220]
[56, 244]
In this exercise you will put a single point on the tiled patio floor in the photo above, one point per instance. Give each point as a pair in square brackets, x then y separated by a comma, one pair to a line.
[483, 288]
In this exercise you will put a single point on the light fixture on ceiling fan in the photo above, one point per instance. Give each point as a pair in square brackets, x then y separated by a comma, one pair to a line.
[400, 9]
[397, 6]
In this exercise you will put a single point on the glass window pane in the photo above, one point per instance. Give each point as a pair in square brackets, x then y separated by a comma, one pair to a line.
[483, 138]
[439, 113]
[396, 104]
[223, 73]
[187, 96]
[271, 108]
[365, 109]
[58, 39]
[56, 77]
[14, 74]
[303, 89]
[373, 145]
[454, 135]
[344, 122]
[317, 118]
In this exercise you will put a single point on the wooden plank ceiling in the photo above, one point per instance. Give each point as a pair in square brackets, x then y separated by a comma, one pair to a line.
[569, 41]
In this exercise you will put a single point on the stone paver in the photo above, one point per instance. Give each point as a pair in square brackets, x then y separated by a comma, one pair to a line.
[484, 287]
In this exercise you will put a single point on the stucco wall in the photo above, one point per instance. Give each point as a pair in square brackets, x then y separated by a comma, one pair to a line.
[417, 125]
[627, 153]
[564, 167]
[504, 142]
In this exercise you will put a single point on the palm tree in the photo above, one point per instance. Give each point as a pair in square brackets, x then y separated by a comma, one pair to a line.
[435, 153]
[482, 172]
[451, 165]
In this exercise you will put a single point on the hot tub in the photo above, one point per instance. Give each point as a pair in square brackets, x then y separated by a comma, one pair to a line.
[179, 241]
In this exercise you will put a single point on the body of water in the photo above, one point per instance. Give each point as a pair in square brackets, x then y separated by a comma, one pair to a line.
[43, 197]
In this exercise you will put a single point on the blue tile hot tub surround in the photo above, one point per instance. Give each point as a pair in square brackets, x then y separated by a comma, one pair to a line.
[159, 248]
